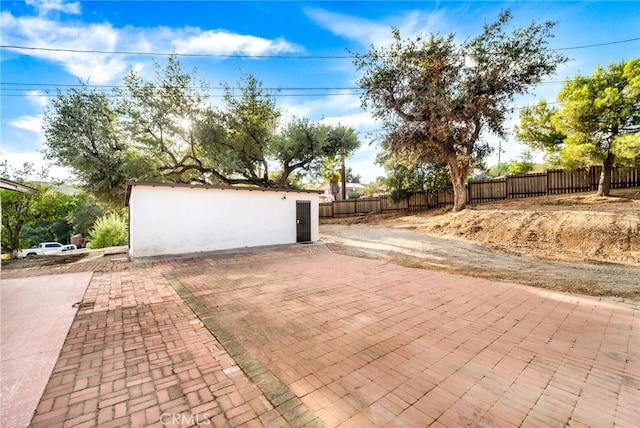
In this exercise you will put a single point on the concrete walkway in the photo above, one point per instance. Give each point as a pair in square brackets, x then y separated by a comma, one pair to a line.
[300, 336]
[36, 314]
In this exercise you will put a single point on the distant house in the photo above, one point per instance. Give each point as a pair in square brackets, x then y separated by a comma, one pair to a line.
[326, 195]
[171, 219]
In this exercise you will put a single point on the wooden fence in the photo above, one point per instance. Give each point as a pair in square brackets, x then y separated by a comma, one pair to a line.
[552, 182]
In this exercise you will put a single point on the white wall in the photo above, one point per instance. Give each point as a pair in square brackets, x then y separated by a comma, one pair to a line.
[184, 219]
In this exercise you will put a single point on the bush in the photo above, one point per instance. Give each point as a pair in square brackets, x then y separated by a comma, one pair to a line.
[109, 230]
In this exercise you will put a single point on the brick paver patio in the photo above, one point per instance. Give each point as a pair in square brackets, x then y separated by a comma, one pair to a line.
[300, 336]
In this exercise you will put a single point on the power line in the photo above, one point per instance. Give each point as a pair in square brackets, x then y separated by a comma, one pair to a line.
[104, 88]
[228, 56]
[109, 95]
[597, 45]
[275, 88]
[33, 48]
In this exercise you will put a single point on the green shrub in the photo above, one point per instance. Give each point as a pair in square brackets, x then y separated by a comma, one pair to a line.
[109, 230]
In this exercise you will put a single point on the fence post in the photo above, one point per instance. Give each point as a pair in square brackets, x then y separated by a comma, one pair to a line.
[506, 187]
[594, 177]
[546, 174]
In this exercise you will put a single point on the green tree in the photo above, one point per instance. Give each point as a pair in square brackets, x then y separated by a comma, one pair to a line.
[437, 98]
[167, 130]
[109, 230]
[300, 145]
[85, 215]
[32, 234]
[407, 175]
[161, 119]
[598, 121]
[377, 186]
[499, 170]
[342, 142]
[83, 132]
[21, 209]
[523, 166]
[352, 177]
[331, 172]
[538, 129]
[46, 230]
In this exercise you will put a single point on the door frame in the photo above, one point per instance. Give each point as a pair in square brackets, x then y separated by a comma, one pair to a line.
[303, 221]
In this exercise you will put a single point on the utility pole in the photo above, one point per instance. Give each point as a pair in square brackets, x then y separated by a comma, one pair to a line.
[343, 173]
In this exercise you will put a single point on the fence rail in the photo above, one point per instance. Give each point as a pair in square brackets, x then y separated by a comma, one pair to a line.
[552, 182]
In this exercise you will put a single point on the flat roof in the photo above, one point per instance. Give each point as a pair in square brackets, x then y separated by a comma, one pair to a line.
[131, 184]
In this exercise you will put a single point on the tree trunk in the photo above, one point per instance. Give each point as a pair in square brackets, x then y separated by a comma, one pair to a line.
[13, 239]
[343, 178]
[335, 189]
[604, 186]
[458, 179]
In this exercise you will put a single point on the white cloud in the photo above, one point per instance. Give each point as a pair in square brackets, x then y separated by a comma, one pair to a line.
[64, 37]
[221, 42]
[316, 108]
[368, 32]
[46, 6]
[360, 121]
[363, 163]
[38, 99]
[354, 28]
[29, 123]
[17, 160]
[46, 33]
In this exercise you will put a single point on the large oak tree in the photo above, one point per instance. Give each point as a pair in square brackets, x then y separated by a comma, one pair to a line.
[437, 98]
[166, 129]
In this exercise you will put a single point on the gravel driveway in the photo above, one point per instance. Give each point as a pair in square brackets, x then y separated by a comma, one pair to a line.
[414, 249]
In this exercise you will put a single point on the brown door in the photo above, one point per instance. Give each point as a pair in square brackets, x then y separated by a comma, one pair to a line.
[303, 221]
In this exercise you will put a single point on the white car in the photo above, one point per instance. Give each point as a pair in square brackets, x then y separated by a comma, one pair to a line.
[69, 247]
[43, 248]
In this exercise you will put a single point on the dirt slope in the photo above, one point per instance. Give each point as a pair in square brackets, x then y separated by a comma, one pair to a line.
[577, 243]
[579, 227]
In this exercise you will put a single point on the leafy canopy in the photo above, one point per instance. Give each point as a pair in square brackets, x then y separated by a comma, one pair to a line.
[437, 98]
[109, 230]
[598, 121]
[21, 209]
[342, 142]
[407, 176]
[167, 130]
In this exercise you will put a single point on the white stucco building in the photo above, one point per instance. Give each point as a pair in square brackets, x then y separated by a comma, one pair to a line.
[173, 219]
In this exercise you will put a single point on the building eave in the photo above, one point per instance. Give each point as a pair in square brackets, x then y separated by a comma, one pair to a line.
[16, 187]
[130, 184]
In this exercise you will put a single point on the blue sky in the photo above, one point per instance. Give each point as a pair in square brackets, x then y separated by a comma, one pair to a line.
[298, 43]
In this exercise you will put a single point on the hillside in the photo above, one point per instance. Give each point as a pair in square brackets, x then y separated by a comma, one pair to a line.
[579, 227]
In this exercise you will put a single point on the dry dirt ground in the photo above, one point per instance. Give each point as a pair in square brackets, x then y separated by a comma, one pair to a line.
[577, 242]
